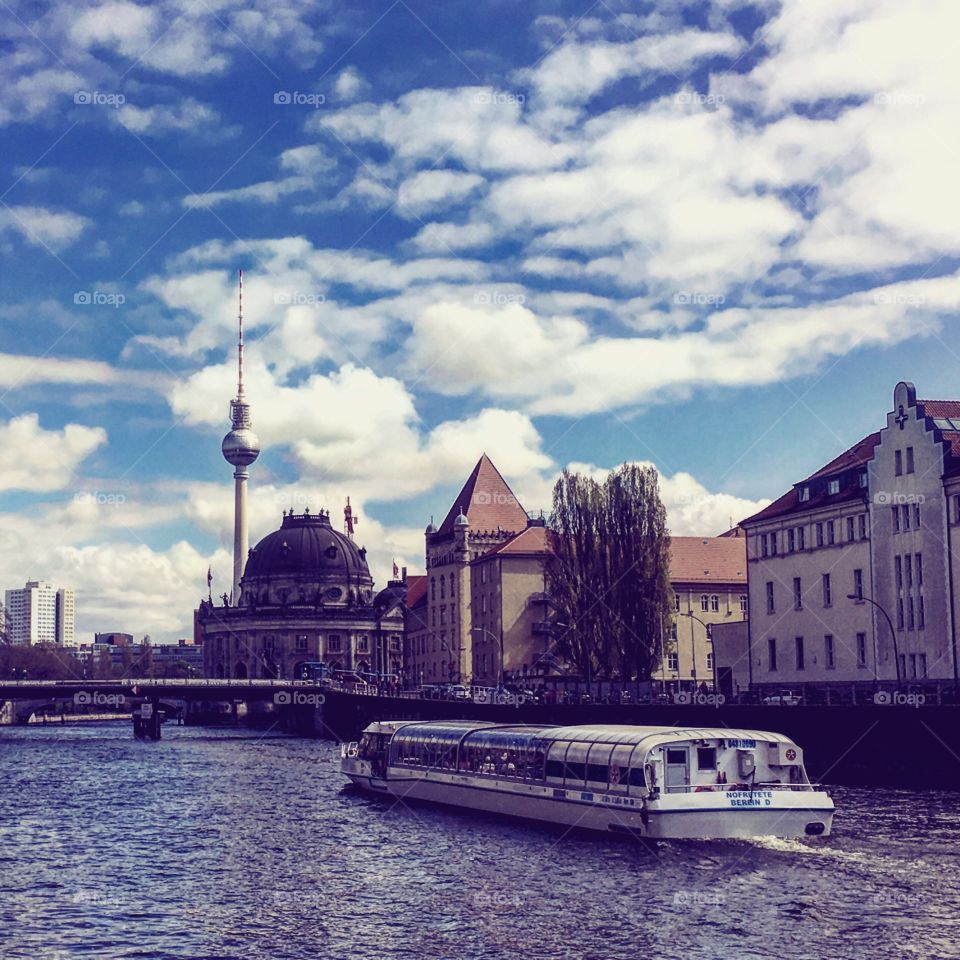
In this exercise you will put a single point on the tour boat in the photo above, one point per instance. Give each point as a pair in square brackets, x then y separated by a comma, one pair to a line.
[659, 782]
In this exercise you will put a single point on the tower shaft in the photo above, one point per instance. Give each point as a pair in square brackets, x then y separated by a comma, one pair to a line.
[241, 543]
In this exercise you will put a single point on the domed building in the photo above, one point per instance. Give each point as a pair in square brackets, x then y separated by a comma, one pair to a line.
[306, 595]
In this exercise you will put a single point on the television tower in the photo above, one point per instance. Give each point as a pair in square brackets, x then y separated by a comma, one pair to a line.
[241, 447]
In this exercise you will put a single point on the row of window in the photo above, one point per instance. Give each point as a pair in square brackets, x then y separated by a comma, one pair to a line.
[673, 661]
[910, 613]
[333, 644]
[826, 534]
[829, 652]
[826, 587]
[709, 602]
[903, 514]
[442, 580]
[898, 459]
[443, 614]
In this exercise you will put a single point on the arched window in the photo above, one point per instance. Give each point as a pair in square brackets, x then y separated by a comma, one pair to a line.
[433, 588]
[453, 588]
[443, 588]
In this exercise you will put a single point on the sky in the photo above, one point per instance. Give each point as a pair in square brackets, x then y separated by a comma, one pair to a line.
[711, 236]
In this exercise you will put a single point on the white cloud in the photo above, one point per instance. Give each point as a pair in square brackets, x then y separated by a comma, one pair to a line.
[187, 115]
[432, 189]
[41, 227]
[349, 84]
[267, 191]
[43, 460]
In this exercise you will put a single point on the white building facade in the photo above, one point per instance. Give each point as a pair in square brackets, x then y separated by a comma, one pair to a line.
[853, 574]
[41, 613]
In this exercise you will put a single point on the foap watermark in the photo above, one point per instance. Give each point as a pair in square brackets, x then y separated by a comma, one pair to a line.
[99, 98]
[499, 98]
[298, 98]
[98, 298]
[899, 98]
[698, 298]
[899, 299]
[94, 698]
[694, 899]
[298, 698]
[99, 498]
[884, 698]
[498, 498]
[498, 298]
[894, 498]
[700, 99]
[298, 298]
[688, 697]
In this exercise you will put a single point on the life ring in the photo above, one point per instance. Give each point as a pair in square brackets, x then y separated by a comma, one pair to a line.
[352, 751]
[614, 775]
[791, 754]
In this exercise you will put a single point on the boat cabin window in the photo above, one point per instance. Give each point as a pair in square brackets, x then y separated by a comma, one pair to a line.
[706, 758]
[677, 756]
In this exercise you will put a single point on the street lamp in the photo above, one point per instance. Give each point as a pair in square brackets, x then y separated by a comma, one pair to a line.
[693, 641]
[490, 633]
[860, 598]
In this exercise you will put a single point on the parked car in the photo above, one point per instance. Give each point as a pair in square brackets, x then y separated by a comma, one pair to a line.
[457, 691]
[785, 698]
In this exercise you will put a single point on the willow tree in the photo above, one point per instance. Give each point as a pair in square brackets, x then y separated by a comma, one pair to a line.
[610, 577]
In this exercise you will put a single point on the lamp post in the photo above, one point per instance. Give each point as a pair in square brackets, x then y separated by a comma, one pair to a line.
[860, 598]
[706, 627]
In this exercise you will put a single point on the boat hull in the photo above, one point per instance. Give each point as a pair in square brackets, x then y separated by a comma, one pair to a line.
[714, 815]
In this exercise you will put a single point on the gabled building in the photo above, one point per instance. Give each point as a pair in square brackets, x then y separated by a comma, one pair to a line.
[853, 573]
[483, 515]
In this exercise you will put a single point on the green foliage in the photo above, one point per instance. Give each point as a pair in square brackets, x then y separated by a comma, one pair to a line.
[38, 662]
[610, 578]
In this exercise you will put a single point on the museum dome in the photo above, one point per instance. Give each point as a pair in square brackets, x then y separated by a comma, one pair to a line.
[307, 548]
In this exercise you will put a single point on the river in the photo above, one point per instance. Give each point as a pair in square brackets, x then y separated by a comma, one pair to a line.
[229, 843]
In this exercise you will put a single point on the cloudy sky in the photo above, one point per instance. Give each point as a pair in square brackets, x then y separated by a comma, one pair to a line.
[711, 236]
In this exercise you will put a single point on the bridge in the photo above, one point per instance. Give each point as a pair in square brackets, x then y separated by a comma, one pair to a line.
[146, 698]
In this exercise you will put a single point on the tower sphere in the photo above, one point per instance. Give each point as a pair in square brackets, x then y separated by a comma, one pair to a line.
[241, 447]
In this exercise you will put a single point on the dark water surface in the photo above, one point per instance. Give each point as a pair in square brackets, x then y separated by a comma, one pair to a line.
[231, 844]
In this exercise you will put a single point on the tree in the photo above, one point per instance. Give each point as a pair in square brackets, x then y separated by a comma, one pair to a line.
[610, 577]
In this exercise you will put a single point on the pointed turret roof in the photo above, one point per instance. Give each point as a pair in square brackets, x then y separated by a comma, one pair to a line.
[487, 501]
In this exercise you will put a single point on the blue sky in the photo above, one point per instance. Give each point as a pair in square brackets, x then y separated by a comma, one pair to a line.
[707, 235]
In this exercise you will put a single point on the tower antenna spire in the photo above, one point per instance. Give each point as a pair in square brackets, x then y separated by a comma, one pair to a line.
[240, 341]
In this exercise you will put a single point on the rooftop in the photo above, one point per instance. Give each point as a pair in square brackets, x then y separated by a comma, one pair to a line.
[487, 501]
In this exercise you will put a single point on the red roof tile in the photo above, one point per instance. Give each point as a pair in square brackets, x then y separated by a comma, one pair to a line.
[487, 501]
[708, 560]
[940, 408]
[534, 541]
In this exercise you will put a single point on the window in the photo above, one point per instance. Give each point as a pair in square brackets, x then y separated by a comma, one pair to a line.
[908, 563]
[909, 459]
[363, 643]
[333, 643]
[905, 516]
[913, 666]
[833, 486]
[433, 588]
[863, 480]
[801, 531]
[828, 652]
[858, 584]
[710, 660]
[771, 654]
[911, 622]
[443, 588]
[673, 630]
[791, 540]
[797, 594]
[923, 664]
[673, 662]
[851, 529]
[773, 544]
[799, 645]
[743, 603]
[898, 462]
[715, 603]
[443, 612]
[831, 533]
[771, 607]
[819, 534]
[920, 614]
[896, 518]
[863, 526]
[301, 642]
[900, 613]
[919, 564]
[268, 644]
[704, 602]
[453, 590]
[861, 649]
[483, 603]
[706, 758]
[827, 591]
[898, 570]
[763, 544]
[803, 494]
[676, 602]
[916, 515]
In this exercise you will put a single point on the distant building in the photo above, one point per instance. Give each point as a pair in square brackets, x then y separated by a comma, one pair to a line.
[484, 515]
[115, 639]
[306, 595]
[41, 613]
[881, 524]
